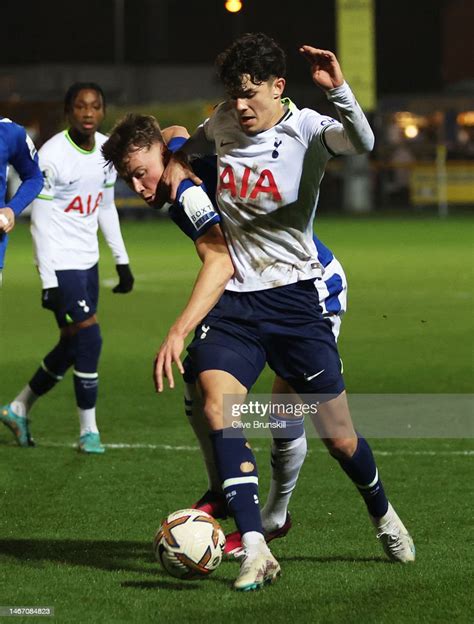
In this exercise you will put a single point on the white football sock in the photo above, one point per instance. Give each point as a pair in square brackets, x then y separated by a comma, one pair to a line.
[253, 539]
[87, 421]
[25, 400]
[287, 459]
[194, 412]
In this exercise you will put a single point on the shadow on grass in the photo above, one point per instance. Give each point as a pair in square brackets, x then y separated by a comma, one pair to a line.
[177, 585]
[134, 557]
[169, 584]
[336, 559]
[9, 442]
[104, 555]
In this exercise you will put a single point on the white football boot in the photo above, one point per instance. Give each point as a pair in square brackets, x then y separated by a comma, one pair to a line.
[258, 567]
[396, 541]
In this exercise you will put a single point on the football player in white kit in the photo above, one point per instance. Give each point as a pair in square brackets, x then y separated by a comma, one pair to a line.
[77, 198]
[136, 148]
[271, 159]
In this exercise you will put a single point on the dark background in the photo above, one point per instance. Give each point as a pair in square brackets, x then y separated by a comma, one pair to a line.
[421, 45]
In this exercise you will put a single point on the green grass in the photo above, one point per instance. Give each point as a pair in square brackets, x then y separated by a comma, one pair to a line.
[76, 531]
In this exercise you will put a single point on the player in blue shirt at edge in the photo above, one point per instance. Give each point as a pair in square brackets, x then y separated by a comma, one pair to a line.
[271, 159]
[17, 149]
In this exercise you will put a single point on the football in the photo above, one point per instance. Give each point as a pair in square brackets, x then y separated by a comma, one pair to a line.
[189, 544]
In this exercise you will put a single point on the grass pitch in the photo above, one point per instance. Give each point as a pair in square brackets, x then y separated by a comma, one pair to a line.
[76, 531]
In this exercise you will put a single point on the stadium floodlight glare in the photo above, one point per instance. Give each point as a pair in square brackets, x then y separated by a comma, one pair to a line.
[466, 118]
[411, 131]
[233, 6]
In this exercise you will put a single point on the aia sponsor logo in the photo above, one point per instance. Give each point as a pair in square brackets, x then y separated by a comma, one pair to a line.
[250, 187]
[85, 207]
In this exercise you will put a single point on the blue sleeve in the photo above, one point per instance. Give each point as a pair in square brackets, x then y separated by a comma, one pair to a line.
[195, 220]
[196, 215]
[204, 167]
[24, 158]
[176, 143]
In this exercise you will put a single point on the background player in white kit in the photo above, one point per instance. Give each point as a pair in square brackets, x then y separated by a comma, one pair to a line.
[271, 161]
[77, 198]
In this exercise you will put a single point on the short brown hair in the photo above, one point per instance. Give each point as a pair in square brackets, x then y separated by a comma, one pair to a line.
[130, 133]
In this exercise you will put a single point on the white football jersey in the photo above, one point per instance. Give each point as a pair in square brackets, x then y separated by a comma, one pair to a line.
[268, 190]
[78, 187]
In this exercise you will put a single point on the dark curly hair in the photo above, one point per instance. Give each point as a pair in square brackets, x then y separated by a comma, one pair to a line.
[74, 89]
[255, 54]
[130, 133]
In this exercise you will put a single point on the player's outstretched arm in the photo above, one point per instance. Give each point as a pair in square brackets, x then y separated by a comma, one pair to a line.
[216, 271]
[355, 136]
[325, 69]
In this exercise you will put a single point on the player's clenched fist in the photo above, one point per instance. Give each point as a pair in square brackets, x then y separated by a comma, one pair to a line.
[7, 220]
[325, 68]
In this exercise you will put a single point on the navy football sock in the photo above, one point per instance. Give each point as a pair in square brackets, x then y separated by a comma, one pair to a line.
[362, 471]
[238, 472]
[53, 367]
[86, 377]
[285, 429]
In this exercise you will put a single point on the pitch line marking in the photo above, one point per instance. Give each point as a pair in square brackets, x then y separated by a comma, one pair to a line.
[170, 447]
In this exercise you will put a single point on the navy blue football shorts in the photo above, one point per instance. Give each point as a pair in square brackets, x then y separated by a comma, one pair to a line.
[282, 326]
[79, 292]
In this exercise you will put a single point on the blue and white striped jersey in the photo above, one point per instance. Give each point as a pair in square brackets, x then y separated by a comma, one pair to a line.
[332, 286]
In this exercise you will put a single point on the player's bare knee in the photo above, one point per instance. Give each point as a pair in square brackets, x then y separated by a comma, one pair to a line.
[212, 408]
[341, 448]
